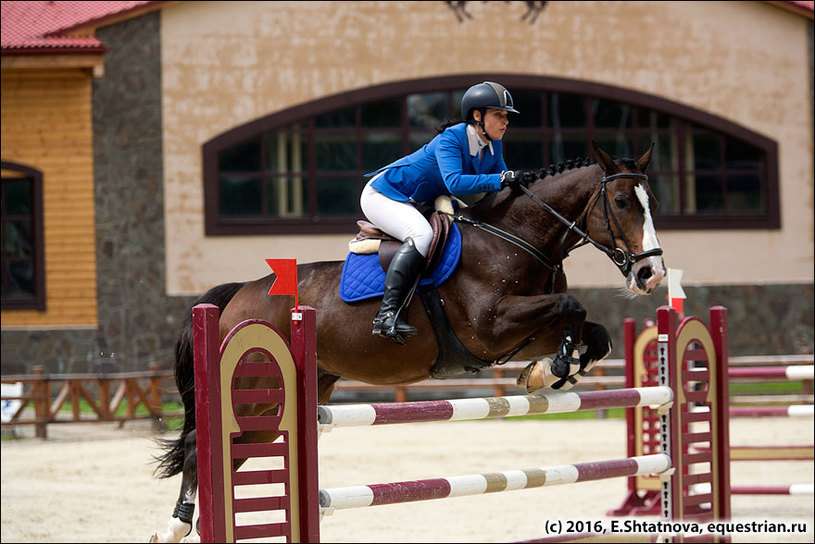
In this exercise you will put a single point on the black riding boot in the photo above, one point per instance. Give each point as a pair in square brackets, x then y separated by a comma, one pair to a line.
[400, 281]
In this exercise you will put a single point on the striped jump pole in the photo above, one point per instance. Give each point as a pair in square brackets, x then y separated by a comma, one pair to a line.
[792, 373]
[476, 484]
[800, 410]
[555, 402]
[795, 489]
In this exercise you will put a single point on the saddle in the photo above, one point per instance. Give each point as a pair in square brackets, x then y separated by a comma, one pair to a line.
[371, 239]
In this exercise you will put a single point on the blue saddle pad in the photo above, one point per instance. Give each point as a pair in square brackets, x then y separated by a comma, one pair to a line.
[362, 275]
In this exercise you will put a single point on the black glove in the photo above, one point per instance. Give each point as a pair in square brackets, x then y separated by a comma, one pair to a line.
[514, 178]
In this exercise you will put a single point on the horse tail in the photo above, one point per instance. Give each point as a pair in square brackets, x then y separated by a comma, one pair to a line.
[171, 462]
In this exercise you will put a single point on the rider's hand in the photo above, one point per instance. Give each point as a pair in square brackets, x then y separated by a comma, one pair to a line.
[514, 178]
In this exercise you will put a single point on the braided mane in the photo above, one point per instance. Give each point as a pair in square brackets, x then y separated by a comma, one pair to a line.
[562, 166]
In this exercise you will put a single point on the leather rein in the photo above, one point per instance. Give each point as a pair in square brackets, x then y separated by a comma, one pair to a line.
[623, 259]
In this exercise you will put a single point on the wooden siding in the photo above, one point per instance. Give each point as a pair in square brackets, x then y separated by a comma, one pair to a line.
[47, 125]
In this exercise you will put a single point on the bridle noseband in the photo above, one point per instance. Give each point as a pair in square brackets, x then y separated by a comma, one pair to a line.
[623, 259]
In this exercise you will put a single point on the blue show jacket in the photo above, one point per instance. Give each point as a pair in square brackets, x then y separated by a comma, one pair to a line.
[442, 167]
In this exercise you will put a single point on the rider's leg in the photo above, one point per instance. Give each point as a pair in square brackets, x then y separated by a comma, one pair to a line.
[400, 282]
[405, 222]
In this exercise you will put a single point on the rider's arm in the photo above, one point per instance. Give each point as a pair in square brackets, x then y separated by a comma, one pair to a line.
[451, 156]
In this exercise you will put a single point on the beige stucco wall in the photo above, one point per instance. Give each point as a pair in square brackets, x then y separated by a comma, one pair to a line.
[225, 64]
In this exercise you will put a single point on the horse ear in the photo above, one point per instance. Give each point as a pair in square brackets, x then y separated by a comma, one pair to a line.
[644, 161]
[604, 159]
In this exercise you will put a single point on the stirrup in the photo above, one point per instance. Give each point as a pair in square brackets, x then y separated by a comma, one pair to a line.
[396, 332]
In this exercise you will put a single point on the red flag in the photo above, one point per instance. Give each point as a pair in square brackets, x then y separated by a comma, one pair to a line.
[286, 281]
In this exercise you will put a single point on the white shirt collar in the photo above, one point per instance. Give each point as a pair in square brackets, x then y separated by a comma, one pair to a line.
[475, 141]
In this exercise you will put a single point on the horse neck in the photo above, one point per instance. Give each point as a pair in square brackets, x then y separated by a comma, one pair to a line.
[569, 193]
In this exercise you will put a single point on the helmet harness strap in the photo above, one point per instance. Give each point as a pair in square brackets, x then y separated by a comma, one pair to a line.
[481, 123]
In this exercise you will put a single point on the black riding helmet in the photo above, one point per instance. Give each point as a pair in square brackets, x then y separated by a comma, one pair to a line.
[485, 95]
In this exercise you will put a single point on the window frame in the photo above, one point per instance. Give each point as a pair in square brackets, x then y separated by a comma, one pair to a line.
[38, 301]
[687, 116]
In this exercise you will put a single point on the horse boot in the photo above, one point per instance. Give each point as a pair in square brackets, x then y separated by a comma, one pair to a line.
[556, 373]
[400, 282]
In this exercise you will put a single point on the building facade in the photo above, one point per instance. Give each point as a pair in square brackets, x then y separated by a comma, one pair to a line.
[217, 134]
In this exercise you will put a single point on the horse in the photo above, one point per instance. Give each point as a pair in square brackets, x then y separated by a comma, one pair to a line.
[506, 300]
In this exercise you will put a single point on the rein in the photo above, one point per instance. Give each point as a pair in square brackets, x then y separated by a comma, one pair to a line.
[511, 238]
[623, 259]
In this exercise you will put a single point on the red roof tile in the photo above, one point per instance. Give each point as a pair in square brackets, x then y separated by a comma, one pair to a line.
[39, 27]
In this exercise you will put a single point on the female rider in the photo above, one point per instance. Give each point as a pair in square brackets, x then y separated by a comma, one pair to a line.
[464, 158]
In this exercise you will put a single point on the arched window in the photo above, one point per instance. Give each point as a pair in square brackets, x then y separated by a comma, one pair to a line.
[301, 170]
[23, 255]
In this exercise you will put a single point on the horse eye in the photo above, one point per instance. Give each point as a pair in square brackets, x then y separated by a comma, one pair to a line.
[621, 202]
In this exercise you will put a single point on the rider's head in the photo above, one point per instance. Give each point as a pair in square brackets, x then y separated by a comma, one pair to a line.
[487, 99]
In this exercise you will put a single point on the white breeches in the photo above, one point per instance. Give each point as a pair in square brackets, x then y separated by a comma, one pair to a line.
[399, 219]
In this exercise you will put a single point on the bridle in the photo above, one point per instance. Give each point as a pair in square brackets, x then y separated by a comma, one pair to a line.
[623, 259]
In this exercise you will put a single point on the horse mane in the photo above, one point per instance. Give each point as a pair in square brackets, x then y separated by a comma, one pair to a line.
[563, 166]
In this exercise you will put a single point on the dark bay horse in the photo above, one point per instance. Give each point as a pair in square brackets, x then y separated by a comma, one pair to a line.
[506, 299]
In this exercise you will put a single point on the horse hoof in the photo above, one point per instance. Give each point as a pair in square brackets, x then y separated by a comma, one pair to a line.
[533, 377]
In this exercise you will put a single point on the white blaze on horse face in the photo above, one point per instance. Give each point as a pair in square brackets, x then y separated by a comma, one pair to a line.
[649, 242]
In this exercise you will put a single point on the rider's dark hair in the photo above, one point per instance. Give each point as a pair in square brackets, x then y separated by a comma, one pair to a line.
[449, 122]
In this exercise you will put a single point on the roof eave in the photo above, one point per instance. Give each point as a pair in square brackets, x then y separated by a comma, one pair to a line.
[89, 27]
[794, 8]
[90, 60]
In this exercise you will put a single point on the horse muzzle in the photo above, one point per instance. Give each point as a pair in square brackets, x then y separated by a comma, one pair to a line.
[646, 275]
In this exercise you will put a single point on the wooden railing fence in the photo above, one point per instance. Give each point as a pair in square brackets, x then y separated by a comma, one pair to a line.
[110, 396]
[44, 395]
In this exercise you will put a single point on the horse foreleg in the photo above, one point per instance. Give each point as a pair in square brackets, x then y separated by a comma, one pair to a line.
[598, 346]
[180, 524]
[567, 369]
[550, 317]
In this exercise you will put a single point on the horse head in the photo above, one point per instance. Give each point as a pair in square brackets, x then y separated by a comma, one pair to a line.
[621, 220]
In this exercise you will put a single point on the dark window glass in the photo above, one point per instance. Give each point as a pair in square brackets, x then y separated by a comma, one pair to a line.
[617, 145]
[19, 198]
[335, 152]
[609, 114]
[23, 266]
[379, 149]
[337, 196]
[745, 194]
[20, 278]
[428, 110]
[523, 152]
[567, 110]
[741, 155]
[652, 119]
[243, 157]
[418, 139]
[530, 104]
[344, 118]
[241, 196]
[709, 194]
[707, 151]
[384, 113]
[568, 146]
[18, 241]
[666, 190]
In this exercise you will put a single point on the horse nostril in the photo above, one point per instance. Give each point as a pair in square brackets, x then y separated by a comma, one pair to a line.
[644, 274]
